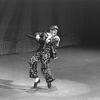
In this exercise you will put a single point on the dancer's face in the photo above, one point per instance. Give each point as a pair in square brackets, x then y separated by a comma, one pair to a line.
[54, 31]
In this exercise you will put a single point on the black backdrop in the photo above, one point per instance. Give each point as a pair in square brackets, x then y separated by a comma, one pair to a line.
[91, 28]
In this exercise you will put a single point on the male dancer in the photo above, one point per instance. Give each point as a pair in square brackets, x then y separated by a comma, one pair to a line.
[48, 43]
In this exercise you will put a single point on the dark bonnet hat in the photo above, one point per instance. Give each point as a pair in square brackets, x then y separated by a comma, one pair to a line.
[53, 27]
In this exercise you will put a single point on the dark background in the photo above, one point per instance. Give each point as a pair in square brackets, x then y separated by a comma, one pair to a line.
[78, 22]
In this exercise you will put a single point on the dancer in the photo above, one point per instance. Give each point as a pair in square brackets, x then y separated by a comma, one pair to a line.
[48, 42]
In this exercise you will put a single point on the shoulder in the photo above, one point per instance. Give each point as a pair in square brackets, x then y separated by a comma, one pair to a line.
[56, 37]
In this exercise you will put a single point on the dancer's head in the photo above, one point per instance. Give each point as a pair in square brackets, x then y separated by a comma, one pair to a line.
[54, 29]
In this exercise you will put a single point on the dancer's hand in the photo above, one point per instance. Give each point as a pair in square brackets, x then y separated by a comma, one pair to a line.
[47, 40]
[37, 37]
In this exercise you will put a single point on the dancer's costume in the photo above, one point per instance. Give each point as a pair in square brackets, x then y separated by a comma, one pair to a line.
[43, 55]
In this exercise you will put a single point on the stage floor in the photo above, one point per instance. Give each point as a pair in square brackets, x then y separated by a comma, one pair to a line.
[77, 73]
